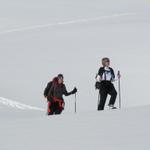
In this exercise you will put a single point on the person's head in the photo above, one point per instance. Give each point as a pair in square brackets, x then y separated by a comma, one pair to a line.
[106, 62]
[60, 79]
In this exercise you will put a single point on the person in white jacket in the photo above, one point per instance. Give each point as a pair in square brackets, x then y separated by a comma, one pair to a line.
[105, 78]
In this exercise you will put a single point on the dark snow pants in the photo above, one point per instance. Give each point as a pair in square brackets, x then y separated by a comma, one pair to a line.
[55, 106]
[107, 88]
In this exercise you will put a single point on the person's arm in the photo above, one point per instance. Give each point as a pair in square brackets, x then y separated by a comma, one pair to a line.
[46, 91]
[98, 78]
[66, 93]
[113, 75]
[100, 73]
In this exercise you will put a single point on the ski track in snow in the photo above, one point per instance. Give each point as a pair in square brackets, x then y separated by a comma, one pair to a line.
[18, 105]
[66, 23]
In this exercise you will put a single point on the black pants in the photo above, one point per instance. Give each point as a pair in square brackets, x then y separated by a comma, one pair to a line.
[54, 108]
[106, 88]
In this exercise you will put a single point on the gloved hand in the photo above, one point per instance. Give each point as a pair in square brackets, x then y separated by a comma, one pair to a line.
[74, 91]
[97, 85]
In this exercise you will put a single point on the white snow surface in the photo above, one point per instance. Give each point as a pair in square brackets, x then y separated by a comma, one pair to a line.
[125, 129]
[18, 105]
[39, 39]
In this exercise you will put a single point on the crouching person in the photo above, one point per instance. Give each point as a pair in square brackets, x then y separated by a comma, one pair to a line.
[54, 93]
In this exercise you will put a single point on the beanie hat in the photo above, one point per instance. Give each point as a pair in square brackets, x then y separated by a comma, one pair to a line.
[60, 76]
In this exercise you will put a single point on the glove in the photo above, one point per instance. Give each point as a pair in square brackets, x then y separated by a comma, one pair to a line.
[97, 85]
[74, 91]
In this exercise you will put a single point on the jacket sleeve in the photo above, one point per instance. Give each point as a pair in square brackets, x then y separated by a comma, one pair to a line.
[46, 91]
[113, 74]
[65, 92]
[100, 72]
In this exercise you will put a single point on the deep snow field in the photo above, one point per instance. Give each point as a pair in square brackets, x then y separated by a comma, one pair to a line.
[127, 129]
[39, 39]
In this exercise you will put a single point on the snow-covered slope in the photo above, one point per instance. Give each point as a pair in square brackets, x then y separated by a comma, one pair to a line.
[126, 129]
[39, 39]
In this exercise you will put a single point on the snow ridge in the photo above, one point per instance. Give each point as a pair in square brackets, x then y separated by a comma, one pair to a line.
[18, 105]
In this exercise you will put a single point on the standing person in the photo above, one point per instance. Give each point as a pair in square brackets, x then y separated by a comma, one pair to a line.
[104, 83]
[54, 93]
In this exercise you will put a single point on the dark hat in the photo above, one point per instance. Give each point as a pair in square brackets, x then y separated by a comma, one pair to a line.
[60, 75]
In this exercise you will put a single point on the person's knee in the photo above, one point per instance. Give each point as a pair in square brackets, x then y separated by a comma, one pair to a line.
[103, 94]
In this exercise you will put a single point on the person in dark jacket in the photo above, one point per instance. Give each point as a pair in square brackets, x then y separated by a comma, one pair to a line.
[105, 78]
[54, 93]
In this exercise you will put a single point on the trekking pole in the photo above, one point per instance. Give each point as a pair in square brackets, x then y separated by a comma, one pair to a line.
[119, 89]
[75, 103]
[98, 101]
